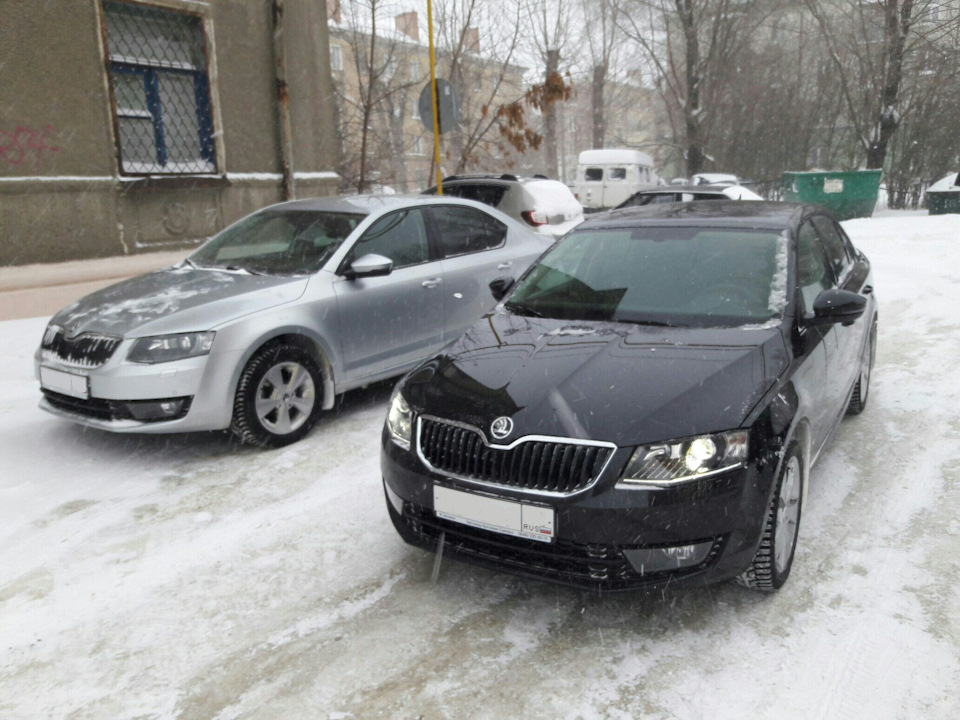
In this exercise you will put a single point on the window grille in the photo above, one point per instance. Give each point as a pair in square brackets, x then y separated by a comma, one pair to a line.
[161, 90]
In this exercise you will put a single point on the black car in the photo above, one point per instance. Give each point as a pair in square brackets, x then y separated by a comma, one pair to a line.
[645, 406]
[687, 193]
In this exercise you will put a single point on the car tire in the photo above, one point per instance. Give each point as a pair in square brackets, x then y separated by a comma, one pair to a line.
[771, 565]
[858, 400]
[279, 396]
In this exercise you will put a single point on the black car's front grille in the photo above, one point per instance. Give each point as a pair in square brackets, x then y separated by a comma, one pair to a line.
[110, 410]
[87, 350]
[552, 466]
[595, 566]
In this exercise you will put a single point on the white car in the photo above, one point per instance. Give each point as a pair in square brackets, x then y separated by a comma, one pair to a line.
[546, 206]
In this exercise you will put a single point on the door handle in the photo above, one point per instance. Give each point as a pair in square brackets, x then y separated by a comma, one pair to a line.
[505, 265]
[867, 289]
[431, 283]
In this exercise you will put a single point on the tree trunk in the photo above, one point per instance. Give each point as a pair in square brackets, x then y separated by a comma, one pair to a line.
[550, 118]
[896, 26]
[596, 100]
[691, 108]
[368, 104]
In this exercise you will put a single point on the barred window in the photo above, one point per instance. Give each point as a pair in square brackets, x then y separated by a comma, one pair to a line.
[161, 90]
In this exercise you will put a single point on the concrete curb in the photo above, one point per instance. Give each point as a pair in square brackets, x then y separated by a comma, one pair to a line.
[25, 277]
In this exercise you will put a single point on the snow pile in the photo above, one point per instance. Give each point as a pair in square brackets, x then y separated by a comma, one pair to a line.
[950, 183]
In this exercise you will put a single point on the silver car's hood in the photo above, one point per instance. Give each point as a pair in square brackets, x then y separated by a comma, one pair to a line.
[180, 299]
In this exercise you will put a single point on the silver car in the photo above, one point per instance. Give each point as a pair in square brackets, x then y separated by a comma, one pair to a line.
[262, 326]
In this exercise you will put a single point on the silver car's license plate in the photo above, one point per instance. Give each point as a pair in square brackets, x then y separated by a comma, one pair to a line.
[534, 522]
[72, 384]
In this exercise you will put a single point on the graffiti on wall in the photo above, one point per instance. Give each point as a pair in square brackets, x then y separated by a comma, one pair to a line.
[23, 145]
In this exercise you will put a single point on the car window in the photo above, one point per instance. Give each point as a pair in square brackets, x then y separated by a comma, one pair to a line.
[707, 277]
[400, 236]
[617, 174]
[487, 194]
[465, 230]
[833, 244]
[813, 268]
[593, 174]
[281, 242]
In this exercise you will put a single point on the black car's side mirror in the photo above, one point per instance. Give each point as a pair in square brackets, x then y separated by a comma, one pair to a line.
[500, 287]
[837, 306]
[370, 265]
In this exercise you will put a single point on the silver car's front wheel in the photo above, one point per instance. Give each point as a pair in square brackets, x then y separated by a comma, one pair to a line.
[285, 398]
[278, 396]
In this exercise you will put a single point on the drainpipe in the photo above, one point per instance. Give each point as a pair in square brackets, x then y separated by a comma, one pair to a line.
[284, 134]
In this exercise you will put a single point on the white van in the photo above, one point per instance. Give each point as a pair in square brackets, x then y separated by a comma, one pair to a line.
[605, 178]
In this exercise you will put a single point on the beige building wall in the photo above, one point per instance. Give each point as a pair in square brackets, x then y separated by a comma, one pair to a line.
[63, 193]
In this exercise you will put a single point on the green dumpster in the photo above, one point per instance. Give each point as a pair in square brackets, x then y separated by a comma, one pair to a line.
[846, 194]
[944, 196]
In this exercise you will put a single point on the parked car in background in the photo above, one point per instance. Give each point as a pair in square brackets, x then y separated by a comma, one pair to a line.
[645, 405]
[714, 179]
[688, 193]
[605, 178]
[265, 323]
[545, 206]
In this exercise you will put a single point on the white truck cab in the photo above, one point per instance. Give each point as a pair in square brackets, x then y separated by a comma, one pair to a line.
[605, 178]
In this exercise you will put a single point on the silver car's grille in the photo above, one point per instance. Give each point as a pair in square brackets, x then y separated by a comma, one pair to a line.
[88, 350]
[556, 466]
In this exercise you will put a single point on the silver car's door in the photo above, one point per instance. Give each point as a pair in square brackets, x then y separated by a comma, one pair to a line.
[476, 249]
[392, 320]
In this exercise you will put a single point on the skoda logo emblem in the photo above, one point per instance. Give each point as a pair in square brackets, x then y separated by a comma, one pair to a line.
[501, 427]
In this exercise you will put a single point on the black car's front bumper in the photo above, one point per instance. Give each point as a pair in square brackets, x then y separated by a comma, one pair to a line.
[601, 536]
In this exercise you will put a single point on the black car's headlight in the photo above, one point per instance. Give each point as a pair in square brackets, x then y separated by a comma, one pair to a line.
[400, 420]
[664, 464]
[165, 348]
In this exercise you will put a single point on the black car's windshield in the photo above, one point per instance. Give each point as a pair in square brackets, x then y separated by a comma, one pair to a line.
[278, 242]
[679, 276]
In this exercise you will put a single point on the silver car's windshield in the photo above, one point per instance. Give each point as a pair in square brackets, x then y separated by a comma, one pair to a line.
[660, 276]
[278, 242]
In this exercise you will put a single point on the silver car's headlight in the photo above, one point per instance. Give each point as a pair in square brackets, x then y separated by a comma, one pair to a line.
[664, 464]
[400, 420]
[165, 348]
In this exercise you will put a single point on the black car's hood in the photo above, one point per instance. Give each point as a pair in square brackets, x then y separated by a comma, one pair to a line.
[178, 299]
[626, 384]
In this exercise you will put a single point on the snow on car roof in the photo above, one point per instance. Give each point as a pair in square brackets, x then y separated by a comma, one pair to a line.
[610, 156]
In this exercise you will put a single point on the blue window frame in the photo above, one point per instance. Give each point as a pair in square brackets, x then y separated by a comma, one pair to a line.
[161, 90]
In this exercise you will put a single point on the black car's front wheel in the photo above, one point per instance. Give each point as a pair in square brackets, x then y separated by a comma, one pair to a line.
[279, 396]
[858, 400]
[774, 558]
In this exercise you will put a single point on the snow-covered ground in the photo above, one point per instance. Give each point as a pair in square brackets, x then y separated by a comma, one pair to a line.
[187, 577]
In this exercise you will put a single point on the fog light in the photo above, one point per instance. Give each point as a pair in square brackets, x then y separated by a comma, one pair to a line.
[653, 560]
[154, 410]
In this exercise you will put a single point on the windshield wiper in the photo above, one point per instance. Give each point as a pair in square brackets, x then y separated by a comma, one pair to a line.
[522, 309]
[652, 323]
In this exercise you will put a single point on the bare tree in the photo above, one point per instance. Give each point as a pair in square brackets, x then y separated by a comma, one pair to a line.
[549, 27]
[691, 46]
[371, 123]
[479, 42]
[601, 37]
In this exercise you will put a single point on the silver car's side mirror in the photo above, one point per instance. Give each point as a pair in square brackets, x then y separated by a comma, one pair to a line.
[370, 265]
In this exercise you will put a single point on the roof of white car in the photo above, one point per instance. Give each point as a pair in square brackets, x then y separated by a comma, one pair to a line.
[367, 204]
[611, 156]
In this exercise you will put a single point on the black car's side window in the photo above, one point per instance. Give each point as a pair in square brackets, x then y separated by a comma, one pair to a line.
[400, 236]
[464, 230]
[833, 243]
[814, 274]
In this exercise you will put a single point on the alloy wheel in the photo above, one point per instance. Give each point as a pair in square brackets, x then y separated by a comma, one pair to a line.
[788, 515]
[285, 398]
